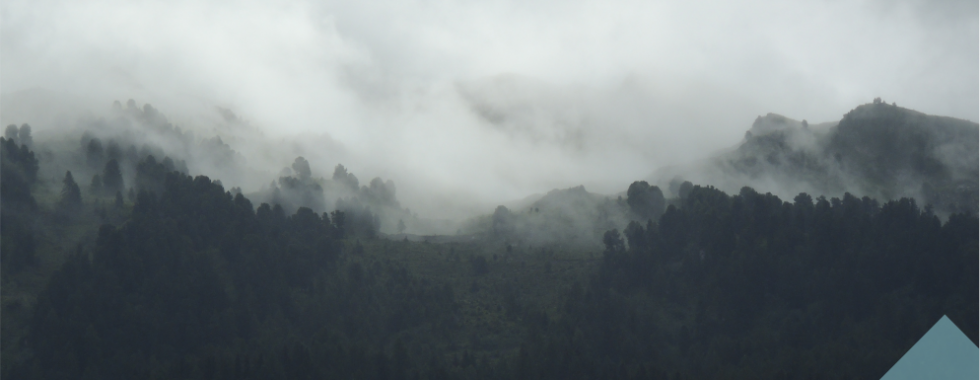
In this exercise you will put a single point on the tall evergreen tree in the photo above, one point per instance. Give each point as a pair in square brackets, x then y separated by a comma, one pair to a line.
[112, 181]
[24, 136]
[647, 202]
[18, 173]
[94, 153]
[11, 132]
[96, 185]
[71, 195]
[302, 168]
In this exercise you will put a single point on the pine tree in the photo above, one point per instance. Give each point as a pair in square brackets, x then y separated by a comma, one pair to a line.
[71, 195]
[96, 186]
[112, 180]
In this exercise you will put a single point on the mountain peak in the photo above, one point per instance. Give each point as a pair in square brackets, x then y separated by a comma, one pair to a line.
[773, 122]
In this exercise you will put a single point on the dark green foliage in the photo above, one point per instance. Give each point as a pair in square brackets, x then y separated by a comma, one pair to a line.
[18, 174]
[18, 244]
[685, 189]
[480, 266]
[338, 218]
[645, 201]
[614, 243]
[94, 153]
[71, 196]
[197, 284]
[96, 186]
[112, 181]
[357, 219]
[113, 151]
[146, 256]
[751, 265]
[196, 269]
[150, 175]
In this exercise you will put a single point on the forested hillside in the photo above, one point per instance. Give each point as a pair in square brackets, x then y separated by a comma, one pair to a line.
[878, 150]
[197, 283]
[127, 266]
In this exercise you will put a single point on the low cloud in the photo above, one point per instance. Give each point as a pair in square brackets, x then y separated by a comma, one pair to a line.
[475, 104]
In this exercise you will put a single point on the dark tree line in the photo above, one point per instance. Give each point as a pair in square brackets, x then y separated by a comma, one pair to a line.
[197, 282]
[645, 201]
[770, 289]
[111, 164]
[20, 136]
[298, 188]
[151, 175]
[71, 196]
[18, 207]
[360, 221]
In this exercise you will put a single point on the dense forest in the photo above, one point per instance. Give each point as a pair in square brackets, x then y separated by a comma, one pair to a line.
[149, 272]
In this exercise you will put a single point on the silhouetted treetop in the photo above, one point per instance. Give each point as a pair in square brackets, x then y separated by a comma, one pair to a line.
[302, 168]
[646, 202]
[341, 175]
[112, 180]
[71, 195]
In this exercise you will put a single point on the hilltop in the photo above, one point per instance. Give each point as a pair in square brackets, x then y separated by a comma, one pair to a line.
[878, 150]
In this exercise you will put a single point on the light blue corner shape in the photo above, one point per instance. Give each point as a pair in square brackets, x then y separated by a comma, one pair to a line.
[943, 353]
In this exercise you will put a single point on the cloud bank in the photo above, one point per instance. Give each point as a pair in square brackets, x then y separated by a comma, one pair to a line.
[487, 101]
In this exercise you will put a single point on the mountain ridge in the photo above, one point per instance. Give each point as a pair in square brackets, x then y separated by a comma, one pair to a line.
[877, 149]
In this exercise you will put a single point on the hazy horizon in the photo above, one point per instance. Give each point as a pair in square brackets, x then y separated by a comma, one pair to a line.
[474, 104]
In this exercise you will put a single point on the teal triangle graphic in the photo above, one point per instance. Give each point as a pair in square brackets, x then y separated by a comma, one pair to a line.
[943, 353]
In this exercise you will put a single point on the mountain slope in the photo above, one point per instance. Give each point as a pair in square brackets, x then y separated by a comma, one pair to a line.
[876, 150]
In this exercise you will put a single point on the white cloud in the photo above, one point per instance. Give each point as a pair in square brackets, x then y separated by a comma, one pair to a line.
[600, 93]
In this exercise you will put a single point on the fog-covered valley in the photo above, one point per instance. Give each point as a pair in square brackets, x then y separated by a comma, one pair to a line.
[487, 190]
[877, 150]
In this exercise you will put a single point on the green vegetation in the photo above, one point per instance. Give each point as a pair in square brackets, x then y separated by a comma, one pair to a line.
[197, 284]
[182, 279]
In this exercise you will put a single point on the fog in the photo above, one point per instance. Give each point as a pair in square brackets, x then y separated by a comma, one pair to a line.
[466, 105]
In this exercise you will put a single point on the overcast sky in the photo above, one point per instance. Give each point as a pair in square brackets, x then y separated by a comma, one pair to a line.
[498, 99]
